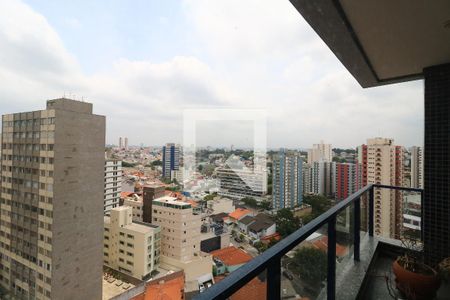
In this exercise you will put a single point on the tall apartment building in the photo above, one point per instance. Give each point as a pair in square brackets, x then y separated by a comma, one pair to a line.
[307, 179]
[320, 152]
[126, 143]
[384, 164]
[180, 237]
[362, 159]
[416, 167]
[130, 247]
[322, 178]
[287, 182]
[171, 160]
[113, 183]
[240, 183]
[120, 143]
[347, 179]
[52, 172]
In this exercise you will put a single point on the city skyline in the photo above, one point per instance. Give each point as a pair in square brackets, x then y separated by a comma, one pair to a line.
[142, 80]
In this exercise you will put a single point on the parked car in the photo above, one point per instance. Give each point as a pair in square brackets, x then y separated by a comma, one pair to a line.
[288, 274]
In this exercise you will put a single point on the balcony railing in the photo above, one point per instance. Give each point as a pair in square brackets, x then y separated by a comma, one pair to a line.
[270, 260]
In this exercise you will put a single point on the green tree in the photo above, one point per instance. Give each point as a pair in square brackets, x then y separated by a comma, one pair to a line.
[269, 189]
[157, 163]
[261, 247]
[311, 264]
[249, 201]
[210, 197]
[266, 205]
[167, 180]
[286, 222]
[128, 165]
[319, 204]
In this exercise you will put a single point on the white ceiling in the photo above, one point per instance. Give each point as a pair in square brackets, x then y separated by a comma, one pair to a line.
[401, 37]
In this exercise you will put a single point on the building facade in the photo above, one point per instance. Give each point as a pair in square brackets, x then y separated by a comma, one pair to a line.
[287, 184]
[180, 237]
[52, 170]
[113, 184]
[130, 247]
[347, 179]
[384, 164]
[322, 178]
[137, 207]
[320, 152]
[307, 179]
[416, 167]
[171, 160]
[237, 184]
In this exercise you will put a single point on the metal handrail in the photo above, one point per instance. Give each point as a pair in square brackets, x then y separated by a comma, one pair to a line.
[271, 258]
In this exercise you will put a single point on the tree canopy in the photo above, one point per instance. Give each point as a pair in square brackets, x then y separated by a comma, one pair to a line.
[311, 264]
[249, 201]
[319, 204]
[286, 222]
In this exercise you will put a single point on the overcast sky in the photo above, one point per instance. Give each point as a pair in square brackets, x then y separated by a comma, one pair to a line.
[143, 62]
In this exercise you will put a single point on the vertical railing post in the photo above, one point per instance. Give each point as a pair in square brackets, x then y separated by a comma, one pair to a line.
[356, 228]
[371, 208]
[331, 276]
[274, 279]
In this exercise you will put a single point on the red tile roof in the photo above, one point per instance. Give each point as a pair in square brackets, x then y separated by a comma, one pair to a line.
[232, 256]
[322, 244]
[126, 194]
[239, 213]
[276, 236]
[169, 287]
[254, 289]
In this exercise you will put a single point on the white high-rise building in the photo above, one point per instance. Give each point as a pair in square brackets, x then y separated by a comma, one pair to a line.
[320, 152]
[126, 143]
[120, 143]
[240, 183]
[416, 167]
[113, 183]
[322, 178]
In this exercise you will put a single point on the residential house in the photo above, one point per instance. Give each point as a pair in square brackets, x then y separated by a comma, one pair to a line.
[231, 258]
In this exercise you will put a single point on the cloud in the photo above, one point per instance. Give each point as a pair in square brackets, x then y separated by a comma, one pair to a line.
[276, 61]
[248, 54]
[141, 99]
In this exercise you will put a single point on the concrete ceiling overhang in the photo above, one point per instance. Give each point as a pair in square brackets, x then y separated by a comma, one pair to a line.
[382, 41]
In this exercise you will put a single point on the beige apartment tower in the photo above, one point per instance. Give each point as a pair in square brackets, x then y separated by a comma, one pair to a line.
[320, 152]
[130, 247]
[52, 173]
[416, 167]
[385, 166]
[180, 237]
